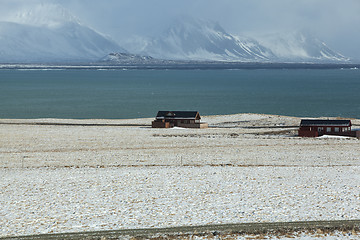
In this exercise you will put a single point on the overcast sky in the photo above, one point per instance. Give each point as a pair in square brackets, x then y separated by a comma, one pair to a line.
[334, 21]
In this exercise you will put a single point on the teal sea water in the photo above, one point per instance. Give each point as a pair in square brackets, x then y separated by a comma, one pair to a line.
[116, 94]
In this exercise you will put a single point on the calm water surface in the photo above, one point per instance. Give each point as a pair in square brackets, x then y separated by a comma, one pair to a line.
[141, 93]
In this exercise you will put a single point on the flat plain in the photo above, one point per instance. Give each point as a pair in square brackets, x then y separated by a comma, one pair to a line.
[61, 175]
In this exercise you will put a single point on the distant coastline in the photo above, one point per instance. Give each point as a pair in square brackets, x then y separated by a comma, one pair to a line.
[176, 65]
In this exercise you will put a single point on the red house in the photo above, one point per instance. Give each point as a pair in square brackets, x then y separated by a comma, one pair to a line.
[185, 119]
[316, 128]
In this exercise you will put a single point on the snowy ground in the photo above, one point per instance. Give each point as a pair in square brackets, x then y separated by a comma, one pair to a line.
[81, 178]
[58, 200]
[315, 235]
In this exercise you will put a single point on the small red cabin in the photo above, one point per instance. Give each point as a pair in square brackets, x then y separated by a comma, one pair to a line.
[186, 119]
[316, 127]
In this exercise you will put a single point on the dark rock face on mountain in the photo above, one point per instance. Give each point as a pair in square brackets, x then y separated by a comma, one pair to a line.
[126, 58]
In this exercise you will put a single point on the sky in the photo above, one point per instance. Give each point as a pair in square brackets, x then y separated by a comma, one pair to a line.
[335, 22]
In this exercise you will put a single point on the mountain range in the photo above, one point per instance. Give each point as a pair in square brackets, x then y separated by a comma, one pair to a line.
[49, 33]
[194, 39]
[190, 39]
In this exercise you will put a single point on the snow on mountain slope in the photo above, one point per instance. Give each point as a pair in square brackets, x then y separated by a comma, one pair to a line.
[190, 39]
[50, 15]
[193, 39]
[298, 46]
[50, 33]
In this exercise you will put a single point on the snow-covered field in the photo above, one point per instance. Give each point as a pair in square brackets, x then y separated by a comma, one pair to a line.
[59, 200]
[82, 178]
[314, 235]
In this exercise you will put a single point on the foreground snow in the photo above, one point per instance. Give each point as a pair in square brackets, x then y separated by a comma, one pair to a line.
[46, 200]
[245, 168]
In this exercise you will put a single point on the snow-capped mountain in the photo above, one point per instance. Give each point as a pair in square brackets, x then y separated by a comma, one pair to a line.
[50, 33]
[300, 47]
[190, 39]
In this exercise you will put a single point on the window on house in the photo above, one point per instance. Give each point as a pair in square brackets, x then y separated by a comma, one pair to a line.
[320, 129]
[328, 129]
[337, 129]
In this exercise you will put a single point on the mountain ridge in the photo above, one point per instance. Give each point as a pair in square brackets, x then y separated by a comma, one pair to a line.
[194, 39]
[198, 40]
[50, 33]
[29, 37]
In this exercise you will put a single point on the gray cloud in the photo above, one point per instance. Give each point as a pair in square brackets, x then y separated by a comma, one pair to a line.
[335, 22]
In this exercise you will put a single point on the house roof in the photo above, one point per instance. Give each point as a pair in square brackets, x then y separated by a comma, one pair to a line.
[320, 122]
[178, 115]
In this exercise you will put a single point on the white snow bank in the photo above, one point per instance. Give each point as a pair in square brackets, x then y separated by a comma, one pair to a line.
[178, 128]
[333, 136]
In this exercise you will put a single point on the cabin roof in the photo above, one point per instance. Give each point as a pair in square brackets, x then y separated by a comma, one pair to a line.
[320, 122]
[178, 115]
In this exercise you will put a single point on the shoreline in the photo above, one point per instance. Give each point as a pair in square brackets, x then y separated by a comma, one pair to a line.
[238, 139]
[147, 120]
[178, 65]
